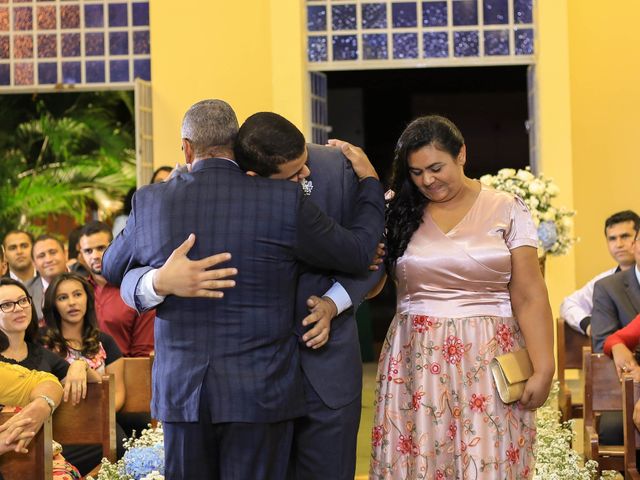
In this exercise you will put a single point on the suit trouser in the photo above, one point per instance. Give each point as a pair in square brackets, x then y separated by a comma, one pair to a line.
[226, 451]
[325, 440]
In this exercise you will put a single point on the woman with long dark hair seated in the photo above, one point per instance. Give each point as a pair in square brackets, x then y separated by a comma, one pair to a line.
[18, 345]
[72, 333]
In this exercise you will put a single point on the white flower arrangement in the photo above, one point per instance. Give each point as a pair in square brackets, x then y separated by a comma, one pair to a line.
[554, 224]
[143, 459]
[555, 459]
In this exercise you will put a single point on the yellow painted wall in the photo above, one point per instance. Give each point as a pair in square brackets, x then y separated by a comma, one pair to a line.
[247, 53]
[605, 101]
[252, 54]
[554, 129]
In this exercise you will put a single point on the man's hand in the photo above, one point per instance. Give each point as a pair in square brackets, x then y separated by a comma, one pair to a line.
[192, 278]
[361, 164]
[177, 170]
[378, 258]
[322, 312]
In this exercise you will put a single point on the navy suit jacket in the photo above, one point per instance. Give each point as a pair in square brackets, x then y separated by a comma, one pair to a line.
[243, 345]
[335, 370]
[616, 301]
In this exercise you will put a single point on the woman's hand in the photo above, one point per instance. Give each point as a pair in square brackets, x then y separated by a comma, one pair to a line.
[624, 360]
[75, 383]
[536, 391]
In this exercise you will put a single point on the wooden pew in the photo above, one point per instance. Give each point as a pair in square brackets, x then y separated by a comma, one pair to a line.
[569, 355]
[631, 395]
[92, 421]
[602, 393]
[137, 382]
[35, 465]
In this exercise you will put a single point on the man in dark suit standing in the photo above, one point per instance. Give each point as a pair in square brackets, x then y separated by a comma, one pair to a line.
[226, 377]
[616, 301]
[332, 375]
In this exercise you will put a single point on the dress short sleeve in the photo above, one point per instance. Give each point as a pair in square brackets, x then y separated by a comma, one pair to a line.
[522, 230]
[110, 347]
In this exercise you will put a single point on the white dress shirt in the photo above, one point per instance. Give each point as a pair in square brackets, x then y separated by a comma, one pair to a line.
[579, 304]
[146, 296]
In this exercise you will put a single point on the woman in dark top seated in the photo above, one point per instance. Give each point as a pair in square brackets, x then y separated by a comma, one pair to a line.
[19, 323]
[71, 333]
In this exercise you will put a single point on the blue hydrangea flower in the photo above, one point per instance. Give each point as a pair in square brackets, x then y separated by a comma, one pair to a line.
[140, 461]
[548, 234]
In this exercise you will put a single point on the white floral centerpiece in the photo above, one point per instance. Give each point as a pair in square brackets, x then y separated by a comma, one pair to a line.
[143, 459]
[554, 224]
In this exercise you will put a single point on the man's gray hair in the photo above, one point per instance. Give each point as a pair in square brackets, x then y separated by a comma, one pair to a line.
[209, 124]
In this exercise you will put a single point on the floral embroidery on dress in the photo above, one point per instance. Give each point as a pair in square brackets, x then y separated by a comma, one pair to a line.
[436, 407]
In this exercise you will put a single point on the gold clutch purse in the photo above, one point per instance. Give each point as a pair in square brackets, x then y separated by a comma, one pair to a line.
[511, 372]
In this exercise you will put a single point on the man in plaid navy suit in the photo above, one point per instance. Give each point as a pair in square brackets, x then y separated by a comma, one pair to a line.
[226, 377]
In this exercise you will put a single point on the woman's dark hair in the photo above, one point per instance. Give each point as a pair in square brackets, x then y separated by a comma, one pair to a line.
[156, 172]
[405, 210]
[31, 333]
[52, 338]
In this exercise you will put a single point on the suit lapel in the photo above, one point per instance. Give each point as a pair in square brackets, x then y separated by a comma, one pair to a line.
[632, 288]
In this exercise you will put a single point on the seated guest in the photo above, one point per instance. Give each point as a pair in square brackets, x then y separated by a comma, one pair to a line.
[50, 260]
[19, 326]
[619, 230]
[39, 392]
[17, 248]
[132, 331]
[621, 344]
[616, 301]
[72, 333]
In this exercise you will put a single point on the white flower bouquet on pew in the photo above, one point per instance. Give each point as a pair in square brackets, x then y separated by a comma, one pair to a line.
[555, 459]
[554, 224]
[143, 459]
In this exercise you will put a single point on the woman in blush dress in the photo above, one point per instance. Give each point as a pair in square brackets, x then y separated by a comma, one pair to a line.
[469, 286]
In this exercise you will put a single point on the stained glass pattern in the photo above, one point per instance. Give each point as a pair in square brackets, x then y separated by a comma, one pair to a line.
[79, 42]
[440, 32]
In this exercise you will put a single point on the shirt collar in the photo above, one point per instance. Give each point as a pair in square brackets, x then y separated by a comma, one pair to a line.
[212, 162]
[637, 274]
[15, 277]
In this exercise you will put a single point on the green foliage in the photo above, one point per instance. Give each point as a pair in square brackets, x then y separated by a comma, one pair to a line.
[60, 151]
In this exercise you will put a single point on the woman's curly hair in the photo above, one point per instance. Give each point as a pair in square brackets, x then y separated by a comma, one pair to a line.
[406, 209]
[52, 337]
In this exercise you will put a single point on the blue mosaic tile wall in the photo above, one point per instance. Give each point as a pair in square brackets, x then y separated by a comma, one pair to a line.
[88, 42]
[369, 30]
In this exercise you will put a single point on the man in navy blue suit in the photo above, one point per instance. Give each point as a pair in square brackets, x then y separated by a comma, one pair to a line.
[324, 442]
[227, 381]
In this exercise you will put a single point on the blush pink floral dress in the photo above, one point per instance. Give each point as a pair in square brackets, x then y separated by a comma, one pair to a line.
[437, 412]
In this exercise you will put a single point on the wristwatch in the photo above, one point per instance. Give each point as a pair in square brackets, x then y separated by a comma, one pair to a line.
[50, 402]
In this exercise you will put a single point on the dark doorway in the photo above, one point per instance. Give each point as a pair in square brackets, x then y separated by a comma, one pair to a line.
[488, 104]
[371, 108]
